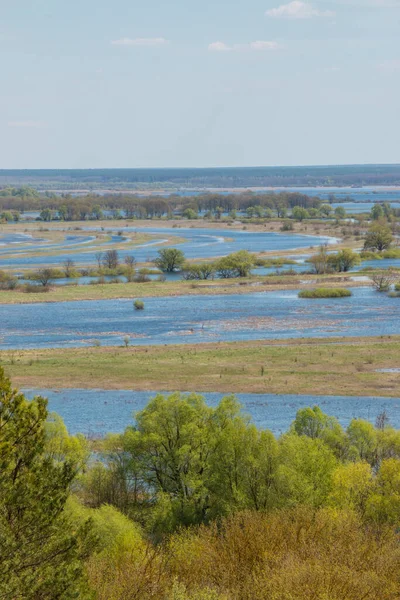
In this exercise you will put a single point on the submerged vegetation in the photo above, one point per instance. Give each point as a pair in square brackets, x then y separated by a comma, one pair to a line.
[138, 305]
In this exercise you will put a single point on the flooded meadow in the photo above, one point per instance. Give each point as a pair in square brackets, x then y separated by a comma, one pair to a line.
[197, 319]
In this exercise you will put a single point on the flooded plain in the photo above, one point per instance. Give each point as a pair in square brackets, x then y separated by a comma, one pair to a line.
[195, 319]
[196, 244]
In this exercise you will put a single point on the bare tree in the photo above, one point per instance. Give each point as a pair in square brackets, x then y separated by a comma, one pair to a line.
[111, 259]
[382, 280]
[99, 258]
[44, 276]
[69, 266]
[320, 260]
[382, 420]
[130, 267]
[130, 261]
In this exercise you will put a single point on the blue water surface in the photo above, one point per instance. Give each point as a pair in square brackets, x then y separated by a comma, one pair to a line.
[98, 412]
[194, 319]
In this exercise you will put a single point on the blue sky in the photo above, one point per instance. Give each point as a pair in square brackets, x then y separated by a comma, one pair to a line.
[94, 83]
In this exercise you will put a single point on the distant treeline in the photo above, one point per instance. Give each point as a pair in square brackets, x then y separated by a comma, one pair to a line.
[340, 175]
[70, 208]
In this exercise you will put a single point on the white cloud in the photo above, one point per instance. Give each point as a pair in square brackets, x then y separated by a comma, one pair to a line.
[140, 42]
[219, 47]
[298, 10]
[259, 45]
[26, 124]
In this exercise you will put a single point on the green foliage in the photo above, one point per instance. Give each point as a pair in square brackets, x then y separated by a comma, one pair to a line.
[62, 447]
[305, 471]
[392, 253]
[344, 260]
[46, 214]
[377, 212]
[201, 271]
[320, 261]
[113, 532]
[379, 237]
[340, 212]
[189, 213]
[138, 305]
[315, 509]
[369, 255]
[170, 260]
[341, 261]
[184, 462]
[41, 552]
[325, 210]
[237, 264]
[174, 441]
[53, 272]
[7, 281]
[273, 262]
[300, 213]
[325, 293]
[9, 216]
[311, 422]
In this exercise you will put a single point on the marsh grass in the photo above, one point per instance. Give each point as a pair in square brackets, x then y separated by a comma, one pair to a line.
[298, 366]
[325, 293]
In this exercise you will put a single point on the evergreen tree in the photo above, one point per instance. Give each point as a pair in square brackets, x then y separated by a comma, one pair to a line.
[40, 551]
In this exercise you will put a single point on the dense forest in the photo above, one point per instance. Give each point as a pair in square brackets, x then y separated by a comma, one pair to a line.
[341, 175]
[196, 503]
[72, 208]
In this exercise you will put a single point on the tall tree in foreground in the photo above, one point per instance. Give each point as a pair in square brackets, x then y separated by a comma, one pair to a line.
[40, 552]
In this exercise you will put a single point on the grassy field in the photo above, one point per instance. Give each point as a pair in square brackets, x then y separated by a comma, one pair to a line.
[334, 367]
[152, 289]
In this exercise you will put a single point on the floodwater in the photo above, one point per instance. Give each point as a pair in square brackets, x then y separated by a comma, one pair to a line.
[194, 319]
[22, 244]
[199, 243]
[299, 267]
[356, 208]
[98, 412]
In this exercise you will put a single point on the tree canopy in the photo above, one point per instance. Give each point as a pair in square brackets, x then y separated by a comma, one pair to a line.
[170, 260]
[379, 237]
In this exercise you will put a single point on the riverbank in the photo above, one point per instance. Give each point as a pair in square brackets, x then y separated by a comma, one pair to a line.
[297, 366]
